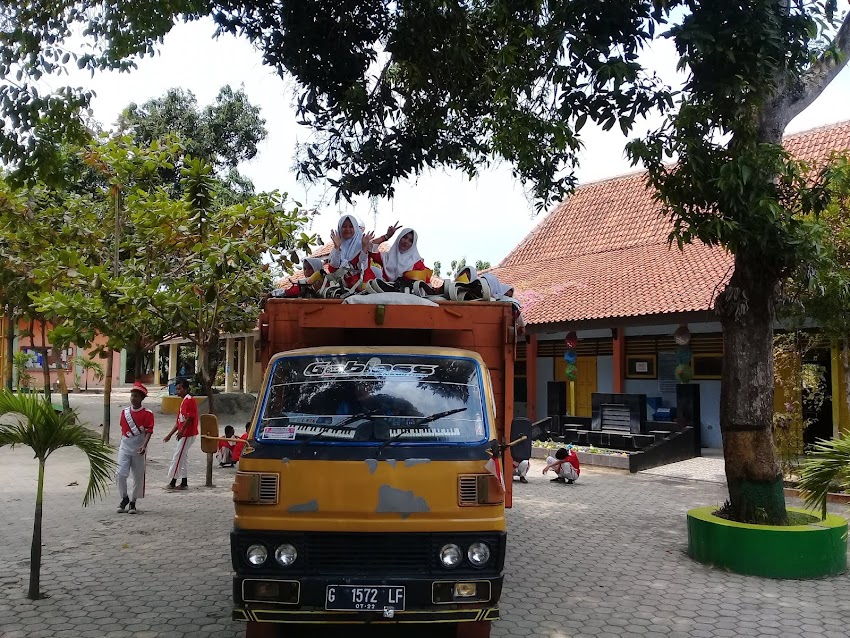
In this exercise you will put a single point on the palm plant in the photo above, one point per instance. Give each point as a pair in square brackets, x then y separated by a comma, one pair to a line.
[87, 364]
[827, 462]
[34, 422]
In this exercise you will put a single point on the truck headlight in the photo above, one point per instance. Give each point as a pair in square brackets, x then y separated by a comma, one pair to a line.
[450, 555]
[478, 554]
[286, 554]
[257, 554]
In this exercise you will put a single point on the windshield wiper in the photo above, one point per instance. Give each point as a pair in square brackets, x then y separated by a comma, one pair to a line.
[334, 426]
[426, 419]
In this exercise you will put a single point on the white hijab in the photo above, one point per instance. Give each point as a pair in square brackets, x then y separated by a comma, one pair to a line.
[315, 263]
[396, 263]
[498, 290]
[349, 249]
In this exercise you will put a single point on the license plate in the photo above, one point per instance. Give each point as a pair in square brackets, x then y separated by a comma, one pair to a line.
[364, 597]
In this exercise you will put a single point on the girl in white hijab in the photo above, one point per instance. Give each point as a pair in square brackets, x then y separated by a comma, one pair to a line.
[403, 260]
[313, 276]
[348, 251]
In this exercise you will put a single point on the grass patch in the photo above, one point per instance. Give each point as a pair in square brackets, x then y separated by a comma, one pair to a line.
[794, 518]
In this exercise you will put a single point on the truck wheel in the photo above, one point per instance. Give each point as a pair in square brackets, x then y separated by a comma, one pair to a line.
[262, 630]
[477, 629]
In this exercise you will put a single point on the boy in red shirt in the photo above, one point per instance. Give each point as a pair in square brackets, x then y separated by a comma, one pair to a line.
[237, 449]
[186, 429]
[225, 449]
[566, 465]
[136, 430]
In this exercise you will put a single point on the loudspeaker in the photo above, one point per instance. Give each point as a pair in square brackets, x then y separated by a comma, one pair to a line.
[556, 398]
[688, 411]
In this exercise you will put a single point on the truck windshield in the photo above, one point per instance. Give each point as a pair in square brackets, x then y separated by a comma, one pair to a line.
[367, 399]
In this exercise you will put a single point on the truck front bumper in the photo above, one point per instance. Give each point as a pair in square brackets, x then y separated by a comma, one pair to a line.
[304, 600]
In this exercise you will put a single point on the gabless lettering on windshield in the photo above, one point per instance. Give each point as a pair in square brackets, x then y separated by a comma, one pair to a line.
[366, 398]
[373, 367]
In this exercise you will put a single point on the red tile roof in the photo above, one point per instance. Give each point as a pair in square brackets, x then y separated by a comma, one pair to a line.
[603, 253]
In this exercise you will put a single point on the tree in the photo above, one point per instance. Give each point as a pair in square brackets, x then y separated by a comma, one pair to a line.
[404, 86]
[218, 262]
[38, 426]
[752, 68]
[223, 134]
[89, 364]
[390, 88]
[823, 294]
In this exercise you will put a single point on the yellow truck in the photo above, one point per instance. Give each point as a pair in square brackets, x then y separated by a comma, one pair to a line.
[371, 488]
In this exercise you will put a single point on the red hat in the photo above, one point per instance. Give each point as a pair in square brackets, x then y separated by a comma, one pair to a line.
[140, 388]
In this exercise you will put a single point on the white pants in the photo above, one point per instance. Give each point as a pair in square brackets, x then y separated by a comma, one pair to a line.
[567, 471]
[225, 455]
[522, 468]
[131, 461]
[180, 461]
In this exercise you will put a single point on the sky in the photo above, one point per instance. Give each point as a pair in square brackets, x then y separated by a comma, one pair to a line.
[455, 217]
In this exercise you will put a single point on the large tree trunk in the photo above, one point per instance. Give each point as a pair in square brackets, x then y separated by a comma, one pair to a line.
[34, 592]
[63, 383]
[753, 473]
[107, 395]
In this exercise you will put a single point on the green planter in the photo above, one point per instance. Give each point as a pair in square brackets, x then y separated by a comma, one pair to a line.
[813, 550]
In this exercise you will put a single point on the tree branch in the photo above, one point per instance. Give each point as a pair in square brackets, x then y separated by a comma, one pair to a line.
[822, 72]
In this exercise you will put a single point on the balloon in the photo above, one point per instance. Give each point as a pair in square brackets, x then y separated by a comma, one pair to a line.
[570, 356]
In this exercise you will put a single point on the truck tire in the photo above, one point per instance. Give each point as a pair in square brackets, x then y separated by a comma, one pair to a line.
[262, 630]
[477, 629]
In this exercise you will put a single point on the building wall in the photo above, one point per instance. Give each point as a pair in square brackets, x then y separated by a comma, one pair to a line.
[545, 373]
[709, 388]
[26, 343]
[605, 374]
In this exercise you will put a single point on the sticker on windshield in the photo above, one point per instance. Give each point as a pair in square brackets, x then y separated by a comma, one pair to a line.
[279, 433]
[373, 367]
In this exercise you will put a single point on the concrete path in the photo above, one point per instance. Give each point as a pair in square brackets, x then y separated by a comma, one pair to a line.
[604, 558]
[709, 467]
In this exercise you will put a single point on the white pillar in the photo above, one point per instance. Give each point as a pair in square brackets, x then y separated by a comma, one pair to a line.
[172, 360]
[228, 365]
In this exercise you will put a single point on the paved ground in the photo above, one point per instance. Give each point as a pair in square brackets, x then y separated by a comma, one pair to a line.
[709, 467]
[604, 558]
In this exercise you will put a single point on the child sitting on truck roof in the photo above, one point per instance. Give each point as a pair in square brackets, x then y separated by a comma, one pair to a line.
[348, 251]
[403, 260]
[313, 271]
[566, 465]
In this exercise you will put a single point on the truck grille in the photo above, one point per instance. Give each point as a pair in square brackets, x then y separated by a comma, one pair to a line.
[467, 489]
[368, 554]
[268, 488]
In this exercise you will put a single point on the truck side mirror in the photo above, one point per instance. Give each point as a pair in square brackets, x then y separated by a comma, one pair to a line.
[209, 427]
[521, 427]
